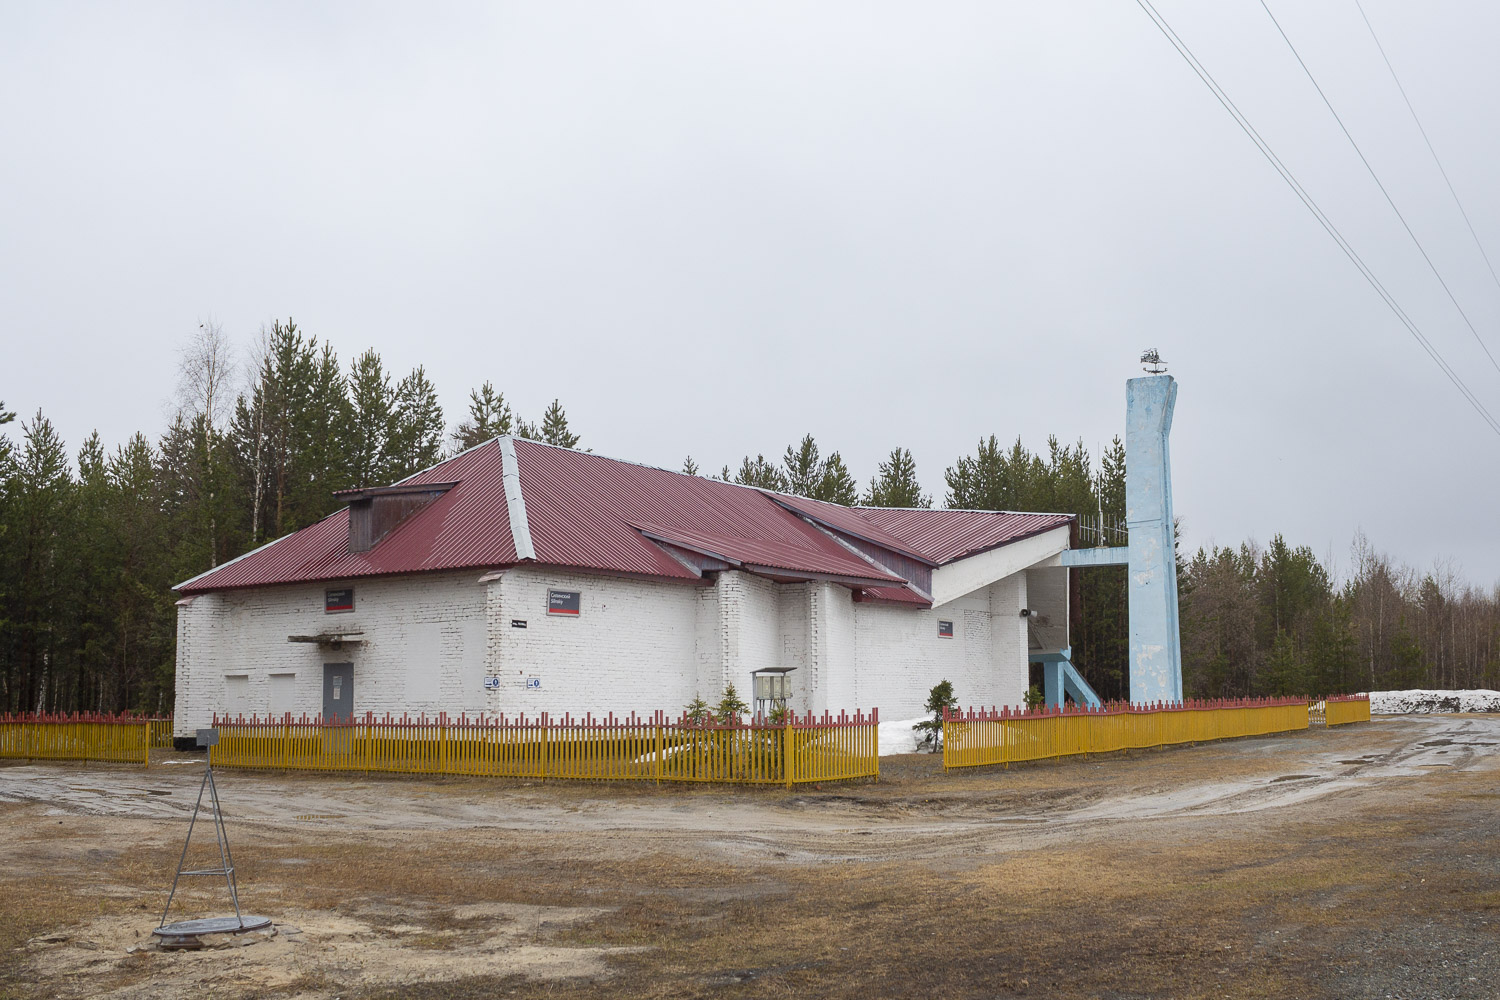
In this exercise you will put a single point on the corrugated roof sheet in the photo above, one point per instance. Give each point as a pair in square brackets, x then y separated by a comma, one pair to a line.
[946, 535]
[588, 512]
[849, 521]
[584, 511]
[467, 526]
[810, 555]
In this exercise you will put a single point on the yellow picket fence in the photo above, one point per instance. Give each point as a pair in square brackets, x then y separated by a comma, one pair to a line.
[799, 750]
[980, 737]
[116, 739]
[1348, 708]
[161, 733]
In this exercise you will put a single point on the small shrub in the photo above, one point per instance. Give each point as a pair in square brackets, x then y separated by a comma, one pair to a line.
[698, 711]
[939, 700]
[1034, 698]
[731, 706]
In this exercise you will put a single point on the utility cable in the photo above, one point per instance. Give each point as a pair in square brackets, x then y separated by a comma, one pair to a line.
[1312, 206]
[1376, 178]
[1435, 158]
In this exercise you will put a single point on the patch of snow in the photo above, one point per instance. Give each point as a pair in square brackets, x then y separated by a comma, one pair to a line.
[1421, 700]
[899, 737]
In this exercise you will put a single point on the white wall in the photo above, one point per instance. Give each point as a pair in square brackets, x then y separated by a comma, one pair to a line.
[633, 647]
[423, 635]
[899, 655]
[637, 645]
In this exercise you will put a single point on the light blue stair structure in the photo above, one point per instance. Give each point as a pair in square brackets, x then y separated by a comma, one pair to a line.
[1060, 677]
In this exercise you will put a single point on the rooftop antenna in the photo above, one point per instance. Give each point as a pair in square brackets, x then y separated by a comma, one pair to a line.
[1152, 363]
[184, 933]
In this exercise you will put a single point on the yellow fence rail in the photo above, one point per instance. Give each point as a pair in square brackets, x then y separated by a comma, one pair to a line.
[1349, 708]
[116, 739]
[975, 738]
[799, 750]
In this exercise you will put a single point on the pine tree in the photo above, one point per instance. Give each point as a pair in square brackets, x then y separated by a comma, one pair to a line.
[896, 485]
[689, 467]
[555, 427]
[804, 467]
[526, 429]
[836, 484]
[806, 473]
[6, 416]
[760, 473]
[373, 429]
[419, 425]
[489, 416]
[41, 494]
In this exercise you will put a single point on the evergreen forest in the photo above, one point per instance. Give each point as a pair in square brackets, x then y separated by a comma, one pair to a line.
[91, 541]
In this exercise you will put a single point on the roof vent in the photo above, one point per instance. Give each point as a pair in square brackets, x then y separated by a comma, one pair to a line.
[376, 512]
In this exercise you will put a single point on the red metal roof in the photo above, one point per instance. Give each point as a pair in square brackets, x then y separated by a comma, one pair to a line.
[589, 512]
[467, 526]
[850, 522]
[946, 535]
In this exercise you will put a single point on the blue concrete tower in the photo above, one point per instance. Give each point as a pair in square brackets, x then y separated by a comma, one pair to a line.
[1155, 643]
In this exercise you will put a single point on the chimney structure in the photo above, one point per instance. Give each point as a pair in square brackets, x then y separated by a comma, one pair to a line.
[375, 512]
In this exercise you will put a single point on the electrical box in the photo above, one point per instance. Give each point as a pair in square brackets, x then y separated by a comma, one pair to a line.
[773, 688]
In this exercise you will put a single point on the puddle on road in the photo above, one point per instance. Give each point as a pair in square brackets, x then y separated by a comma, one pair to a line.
[1292, 777]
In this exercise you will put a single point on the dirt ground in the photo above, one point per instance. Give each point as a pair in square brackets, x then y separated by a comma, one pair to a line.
[1354, 862]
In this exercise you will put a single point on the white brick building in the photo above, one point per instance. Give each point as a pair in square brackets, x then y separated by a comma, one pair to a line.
[522, 578]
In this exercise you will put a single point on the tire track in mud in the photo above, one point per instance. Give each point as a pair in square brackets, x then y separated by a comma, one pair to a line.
[972, 835]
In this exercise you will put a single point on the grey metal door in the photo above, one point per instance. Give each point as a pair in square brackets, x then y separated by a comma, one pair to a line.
[338, 692]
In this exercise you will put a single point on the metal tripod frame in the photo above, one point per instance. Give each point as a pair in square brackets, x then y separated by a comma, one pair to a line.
[226, 859]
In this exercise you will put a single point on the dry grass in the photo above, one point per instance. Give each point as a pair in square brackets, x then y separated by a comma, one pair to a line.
[873, 894]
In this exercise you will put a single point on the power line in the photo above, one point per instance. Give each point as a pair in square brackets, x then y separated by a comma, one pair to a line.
[1312, 206]
[1435, 159]
[1376, 178]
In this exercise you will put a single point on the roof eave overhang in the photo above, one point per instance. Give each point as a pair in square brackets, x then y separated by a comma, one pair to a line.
[800, 576]
[864, 597]
[1009, 541]
[185, 589]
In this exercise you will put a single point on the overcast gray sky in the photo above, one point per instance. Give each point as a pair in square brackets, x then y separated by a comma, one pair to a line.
[710, 228]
